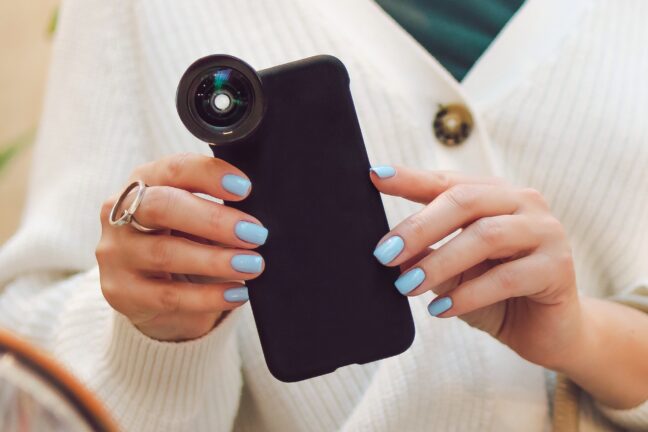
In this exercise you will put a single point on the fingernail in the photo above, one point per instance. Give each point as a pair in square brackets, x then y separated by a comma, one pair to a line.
[247, 263]
[235, 295]
[384, 171]
[251, 232]
[389, 249]
[439, 305]
[236, 184]
[410, 280]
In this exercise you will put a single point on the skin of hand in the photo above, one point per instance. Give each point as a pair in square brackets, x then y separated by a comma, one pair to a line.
[143, 276]
[508, 271]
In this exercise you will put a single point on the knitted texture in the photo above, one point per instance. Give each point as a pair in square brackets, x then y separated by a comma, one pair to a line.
[573, 128]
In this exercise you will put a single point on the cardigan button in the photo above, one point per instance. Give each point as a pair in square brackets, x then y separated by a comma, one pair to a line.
[452, 124]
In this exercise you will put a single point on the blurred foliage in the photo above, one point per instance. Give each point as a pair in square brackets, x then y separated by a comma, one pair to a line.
[12, 148]
[53, 22]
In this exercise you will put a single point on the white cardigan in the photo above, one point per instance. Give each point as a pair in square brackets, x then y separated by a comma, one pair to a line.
[560, 105]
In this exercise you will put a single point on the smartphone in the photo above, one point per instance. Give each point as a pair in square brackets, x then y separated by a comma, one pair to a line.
[323, 301]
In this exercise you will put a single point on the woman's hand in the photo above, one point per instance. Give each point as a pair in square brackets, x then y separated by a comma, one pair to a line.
[141, 273]
[509, 271]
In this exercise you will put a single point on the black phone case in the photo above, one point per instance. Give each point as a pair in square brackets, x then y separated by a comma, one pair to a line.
[323, 300]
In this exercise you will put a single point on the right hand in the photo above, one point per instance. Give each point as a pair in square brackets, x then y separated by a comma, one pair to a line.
[139, 272]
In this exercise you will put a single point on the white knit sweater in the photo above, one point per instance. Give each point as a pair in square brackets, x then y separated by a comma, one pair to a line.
[562, 111]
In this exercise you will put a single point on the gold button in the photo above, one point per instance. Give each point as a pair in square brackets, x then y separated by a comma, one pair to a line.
[452, 124]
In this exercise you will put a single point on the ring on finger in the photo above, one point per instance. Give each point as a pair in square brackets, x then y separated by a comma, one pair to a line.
[128, 215]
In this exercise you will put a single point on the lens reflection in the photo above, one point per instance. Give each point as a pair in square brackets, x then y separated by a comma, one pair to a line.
[223, 98]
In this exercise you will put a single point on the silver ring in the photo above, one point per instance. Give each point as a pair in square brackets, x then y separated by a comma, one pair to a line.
[128, 215]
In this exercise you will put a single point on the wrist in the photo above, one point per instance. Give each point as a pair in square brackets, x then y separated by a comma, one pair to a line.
[581, 346]
[606, 359]
[180, 329]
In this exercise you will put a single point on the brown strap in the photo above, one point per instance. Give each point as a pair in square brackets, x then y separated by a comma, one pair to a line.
[87, 404]
[566, 410]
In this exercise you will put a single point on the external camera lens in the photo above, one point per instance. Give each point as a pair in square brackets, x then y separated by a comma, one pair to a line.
[223, 98]
[220, 99]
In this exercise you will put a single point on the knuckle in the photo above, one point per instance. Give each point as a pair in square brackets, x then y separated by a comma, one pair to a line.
[218, 263]
[169, 300]
[140, 170]
[215, 218]
[463, 197]
[161, 254]
[104, 251]
[416, 226]
[107, 251]
[442, 181]
[439, 265]
[106, 207]
[534, 196]
[112, 295]
[177, 164]
[564, 262]
[505, 278]
[489, 230]
[157, 202]
[554, 226]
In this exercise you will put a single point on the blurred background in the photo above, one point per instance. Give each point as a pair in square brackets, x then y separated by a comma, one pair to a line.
[26, 32]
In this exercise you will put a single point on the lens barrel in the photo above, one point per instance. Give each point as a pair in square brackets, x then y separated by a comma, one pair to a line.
[220, 99]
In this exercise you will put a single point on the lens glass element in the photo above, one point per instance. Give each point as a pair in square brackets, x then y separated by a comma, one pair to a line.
[223, 97]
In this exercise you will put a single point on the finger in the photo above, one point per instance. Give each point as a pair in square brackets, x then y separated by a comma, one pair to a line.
[179, 210]
[443, 287]
[523, 277]
[147, 298]
[196, 173]
[486, 239]
[453, 209]
[416, 258]
[420, 185]
[177, 255]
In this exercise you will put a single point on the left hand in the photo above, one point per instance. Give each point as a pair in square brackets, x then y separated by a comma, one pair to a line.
[508, 272]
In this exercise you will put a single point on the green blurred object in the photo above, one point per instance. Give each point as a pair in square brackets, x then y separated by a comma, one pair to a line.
[10, 149]
[14, 147]
[51, 27]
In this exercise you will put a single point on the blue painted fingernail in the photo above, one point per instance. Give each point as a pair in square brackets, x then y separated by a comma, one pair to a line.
[384, 171]
[251, 232]
[247, 263]
[439, 305]
[235, 295]
[236, 184]
[389, 249]
[410, 280]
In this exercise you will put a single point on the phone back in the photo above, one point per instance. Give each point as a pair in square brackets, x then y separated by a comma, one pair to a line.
[323, 300]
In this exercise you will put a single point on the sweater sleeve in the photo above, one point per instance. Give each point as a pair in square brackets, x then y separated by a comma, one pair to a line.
[635, 419]
[91, 136]
[147, 385]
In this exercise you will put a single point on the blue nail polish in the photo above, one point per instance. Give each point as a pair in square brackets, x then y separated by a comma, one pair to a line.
[439, 305]
[251, 232]
[235, 295]
[247, 263]
[384, 171]
[389, 249]
[410, 280]
[236, 184]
